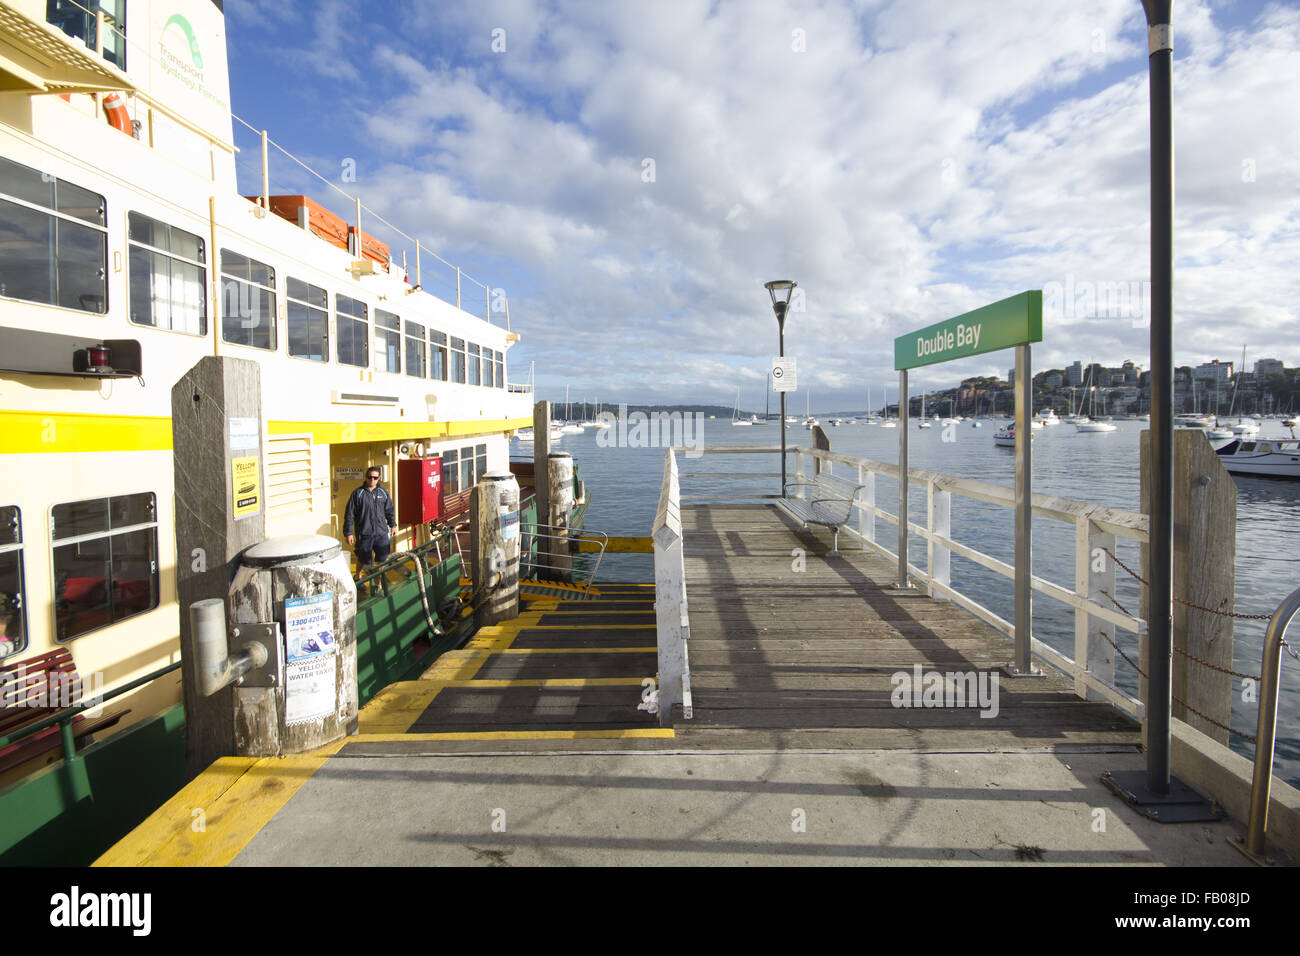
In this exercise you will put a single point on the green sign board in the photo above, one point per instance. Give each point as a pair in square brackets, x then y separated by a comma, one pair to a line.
[1014, 321]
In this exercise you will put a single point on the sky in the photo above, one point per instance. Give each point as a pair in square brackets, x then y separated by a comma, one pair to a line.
[629, 174]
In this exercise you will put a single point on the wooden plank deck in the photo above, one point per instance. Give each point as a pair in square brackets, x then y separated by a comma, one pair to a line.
[794, 659]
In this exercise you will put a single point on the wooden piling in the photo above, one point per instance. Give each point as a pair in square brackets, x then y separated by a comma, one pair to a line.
[1205, 550]
[216, 422]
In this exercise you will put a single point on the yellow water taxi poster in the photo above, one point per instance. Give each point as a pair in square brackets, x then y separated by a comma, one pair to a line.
[245, 486]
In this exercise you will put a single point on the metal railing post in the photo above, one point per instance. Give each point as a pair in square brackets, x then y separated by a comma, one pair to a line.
[867, 517]
[1266, 729]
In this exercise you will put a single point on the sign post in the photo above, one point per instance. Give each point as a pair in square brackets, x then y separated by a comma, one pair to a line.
[1014, 322]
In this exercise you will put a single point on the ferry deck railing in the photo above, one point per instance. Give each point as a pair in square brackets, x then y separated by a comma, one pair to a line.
[1266, 729]
[1092, 667]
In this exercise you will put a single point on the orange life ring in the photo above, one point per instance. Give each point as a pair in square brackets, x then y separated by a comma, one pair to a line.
[115, 110]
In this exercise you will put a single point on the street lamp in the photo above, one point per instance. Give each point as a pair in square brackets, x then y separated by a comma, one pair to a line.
[781, 290]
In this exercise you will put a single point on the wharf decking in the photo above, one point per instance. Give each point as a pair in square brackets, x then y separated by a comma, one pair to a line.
[535, 721]
[790, 649]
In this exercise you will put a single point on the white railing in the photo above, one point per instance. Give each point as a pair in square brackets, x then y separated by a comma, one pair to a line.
[1096, 528]
[671, 620]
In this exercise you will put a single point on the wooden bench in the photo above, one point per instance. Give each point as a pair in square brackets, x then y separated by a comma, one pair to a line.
[831, 504]
[35, 688]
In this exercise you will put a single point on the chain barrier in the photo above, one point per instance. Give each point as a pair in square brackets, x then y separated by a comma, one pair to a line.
[1208, 610]
[1179, 700]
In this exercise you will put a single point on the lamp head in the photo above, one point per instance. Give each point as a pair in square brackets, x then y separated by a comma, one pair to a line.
[780, 290]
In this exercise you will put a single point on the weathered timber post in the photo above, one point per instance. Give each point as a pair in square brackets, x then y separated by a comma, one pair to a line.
[494, 542]
[541, 452]
[295, 594]
[216, 457]
[821, 443]
[1205, 551]
[559, 499]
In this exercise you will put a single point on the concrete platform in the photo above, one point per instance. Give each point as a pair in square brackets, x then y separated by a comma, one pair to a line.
[707, 809]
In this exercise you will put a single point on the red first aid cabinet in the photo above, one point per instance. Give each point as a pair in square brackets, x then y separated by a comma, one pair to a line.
[419, 490]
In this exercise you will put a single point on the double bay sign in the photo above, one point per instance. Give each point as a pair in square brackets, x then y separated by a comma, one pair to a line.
[1015, 322]
[1002, 325]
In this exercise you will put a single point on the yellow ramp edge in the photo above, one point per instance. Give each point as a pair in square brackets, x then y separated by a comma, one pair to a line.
[218, 813]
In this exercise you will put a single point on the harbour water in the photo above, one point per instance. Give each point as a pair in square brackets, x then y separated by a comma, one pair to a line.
[623, 484]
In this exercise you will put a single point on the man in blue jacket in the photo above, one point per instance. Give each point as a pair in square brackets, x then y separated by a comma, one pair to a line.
[370, 515]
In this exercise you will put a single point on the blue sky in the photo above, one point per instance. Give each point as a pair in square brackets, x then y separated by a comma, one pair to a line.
[903, 161]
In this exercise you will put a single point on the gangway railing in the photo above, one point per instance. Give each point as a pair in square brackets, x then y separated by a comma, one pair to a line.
[1095, 527]
[539, 542]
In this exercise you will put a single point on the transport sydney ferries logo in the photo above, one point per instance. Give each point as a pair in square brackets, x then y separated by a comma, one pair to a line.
[181, 57]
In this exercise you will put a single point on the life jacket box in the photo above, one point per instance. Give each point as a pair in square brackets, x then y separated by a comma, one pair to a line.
[419, 490]
[372, 248]
[320, 221]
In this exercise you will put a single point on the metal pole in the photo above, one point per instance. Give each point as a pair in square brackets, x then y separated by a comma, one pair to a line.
[781, 352]
[1160, 550]
[902, 478]
[1024, 512]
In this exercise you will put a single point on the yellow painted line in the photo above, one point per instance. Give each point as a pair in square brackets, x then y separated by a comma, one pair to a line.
[44, 432]
[577, 650]
[645, 733]
[591, 627]
[489, 684]
[332, 433]
[28, 432]
[214, 817]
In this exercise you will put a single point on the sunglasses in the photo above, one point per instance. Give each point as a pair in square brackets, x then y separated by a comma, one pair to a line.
[372, 477]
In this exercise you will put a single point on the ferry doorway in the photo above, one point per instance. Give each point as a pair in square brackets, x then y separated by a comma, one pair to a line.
[348, 464]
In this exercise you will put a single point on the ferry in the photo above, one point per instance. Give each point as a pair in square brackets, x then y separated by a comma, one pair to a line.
[127, 254]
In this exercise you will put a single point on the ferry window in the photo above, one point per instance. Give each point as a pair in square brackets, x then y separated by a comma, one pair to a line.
[489, 369]
[247, 301]
[388, 341]
[437, 355]
[475, 365]
[78, 20]
[458, 360]
[105, 561]
[501, 369]
[415, 349]
[353, 332]
[13, 633]
[467, 467]
[450, 472]
[307, 311]
[168, 268]
[480, 460]
[53, 242]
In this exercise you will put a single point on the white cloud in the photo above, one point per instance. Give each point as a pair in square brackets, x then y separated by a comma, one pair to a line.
[915, 160]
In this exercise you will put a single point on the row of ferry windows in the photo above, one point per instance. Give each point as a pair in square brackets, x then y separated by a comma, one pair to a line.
[54, 249]
[105, 560]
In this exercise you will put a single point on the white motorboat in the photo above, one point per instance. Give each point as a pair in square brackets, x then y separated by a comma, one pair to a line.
[1267, 459]
[1091, 426]
[1005, 437]
[1245, 428]
[1046, 417]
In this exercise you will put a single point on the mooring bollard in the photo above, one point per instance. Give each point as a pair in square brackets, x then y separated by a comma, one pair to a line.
[559, 474]
[494, 537]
